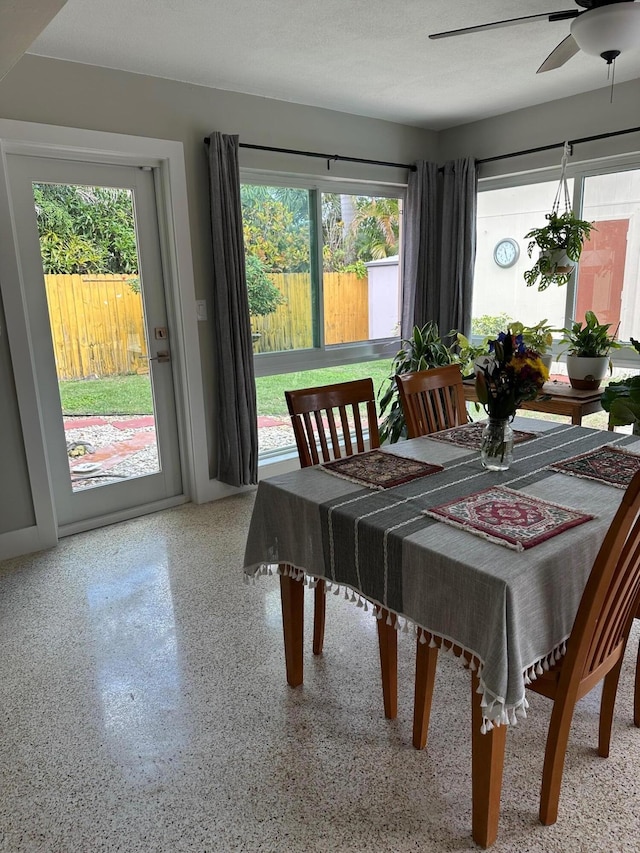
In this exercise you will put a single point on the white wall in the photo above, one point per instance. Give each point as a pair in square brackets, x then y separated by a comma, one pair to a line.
[565, 119]
[73, 95]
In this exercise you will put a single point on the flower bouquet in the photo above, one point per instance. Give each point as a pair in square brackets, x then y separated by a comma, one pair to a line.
[511, 374]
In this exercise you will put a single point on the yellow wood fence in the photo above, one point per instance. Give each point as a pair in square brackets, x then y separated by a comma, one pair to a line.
[346, 312]
[97, 321]
[97, 325]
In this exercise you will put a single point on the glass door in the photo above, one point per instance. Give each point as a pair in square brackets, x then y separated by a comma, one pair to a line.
[90, 252]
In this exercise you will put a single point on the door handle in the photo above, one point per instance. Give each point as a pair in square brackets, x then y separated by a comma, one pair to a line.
[161, 356]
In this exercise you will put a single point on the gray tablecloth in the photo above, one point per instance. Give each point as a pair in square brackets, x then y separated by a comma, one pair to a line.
[512, 611]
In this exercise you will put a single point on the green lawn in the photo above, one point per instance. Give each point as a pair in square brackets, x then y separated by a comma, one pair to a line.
[131, 395]
[111, 395]
[270, 389]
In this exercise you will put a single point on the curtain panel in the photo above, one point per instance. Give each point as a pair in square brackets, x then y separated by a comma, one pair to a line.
[440, 245]
[235, 419]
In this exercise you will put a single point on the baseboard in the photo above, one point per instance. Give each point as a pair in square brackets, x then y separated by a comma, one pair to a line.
[15, 543]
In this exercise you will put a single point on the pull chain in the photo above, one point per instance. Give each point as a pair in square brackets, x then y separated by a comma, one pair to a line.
[612, 69]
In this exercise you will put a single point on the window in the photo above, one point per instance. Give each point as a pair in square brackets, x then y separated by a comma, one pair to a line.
[324, 289]
[609, 269]
[322, 267]
[608, 275]
[500, 293]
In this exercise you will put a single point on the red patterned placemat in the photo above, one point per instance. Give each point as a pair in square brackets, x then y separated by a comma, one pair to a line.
[508, 517]
[612, 465]
[470, 435]
[379, 470]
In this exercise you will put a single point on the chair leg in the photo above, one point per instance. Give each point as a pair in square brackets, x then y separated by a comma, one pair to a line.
[607, 704]
[636, 703]
[426, 662]
[554, 756]
[319, 610]
[388, 643]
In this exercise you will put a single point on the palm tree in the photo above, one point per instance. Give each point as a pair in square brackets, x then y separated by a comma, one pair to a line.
[376, 227]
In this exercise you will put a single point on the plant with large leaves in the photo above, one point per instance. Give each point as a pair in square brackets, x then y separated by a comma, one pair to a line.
[622, 400]
[423, 350]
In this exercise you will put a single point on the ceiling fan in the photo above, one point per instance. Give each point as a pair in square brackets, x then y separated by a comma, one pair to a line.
[605, 28]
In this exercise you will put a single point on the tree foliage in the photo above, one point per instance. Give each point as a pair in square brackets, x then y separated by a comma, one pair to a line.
[358, 229]
[264, 296]
[85, 229]
[276, 227]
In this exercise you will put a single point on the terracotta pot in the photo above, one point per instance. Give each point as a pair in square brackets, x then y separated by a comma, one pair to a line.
[586, 374]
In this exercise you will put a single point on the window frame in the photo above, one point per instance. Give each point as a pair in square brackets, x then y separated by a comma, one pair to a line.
[323, 355]
[625, 358]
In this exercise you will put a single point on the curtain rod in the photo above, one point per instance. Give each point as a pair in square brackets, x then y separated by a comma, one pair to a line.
[327, 157]
[571, 143]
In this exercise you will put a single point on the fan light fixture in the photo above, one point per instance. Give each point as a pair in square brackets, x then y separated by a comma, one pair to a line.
[608, 31]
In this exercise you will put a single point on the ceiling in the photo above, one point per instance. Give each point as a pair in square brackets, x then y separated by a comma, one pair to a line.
[367, 57]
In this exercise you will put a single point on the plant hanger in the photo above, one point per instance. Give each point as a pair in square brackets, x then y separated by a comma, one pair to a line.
[560, 241]
[563, 187]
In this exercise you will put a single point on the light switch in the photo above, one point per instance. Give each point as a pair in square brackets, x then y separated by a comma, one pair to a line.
[201, 310]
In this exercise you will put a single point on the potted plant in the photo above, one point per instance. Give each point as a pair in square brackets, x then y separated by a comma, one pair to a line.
[560, 244]
[538, 338]
[468, 352]
[622, 400]
[589, 345]
[422, 351]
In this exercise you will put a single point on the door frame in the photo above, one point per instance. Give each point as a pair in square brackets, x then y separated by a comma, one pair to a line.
[166, 158]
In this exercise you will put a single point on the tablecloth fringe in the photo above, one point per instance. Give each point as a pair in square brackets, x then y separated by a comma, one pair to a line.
[496, 712]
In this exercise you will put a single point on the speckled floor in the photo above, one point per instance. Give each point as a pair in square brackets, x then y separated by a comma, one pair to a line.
[143, 707]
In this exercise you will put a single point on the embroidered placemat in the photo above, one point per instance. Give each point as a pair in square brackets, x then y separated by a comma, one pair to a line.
[378, 470]
[470, 435]
[612, 465]
[508, 517]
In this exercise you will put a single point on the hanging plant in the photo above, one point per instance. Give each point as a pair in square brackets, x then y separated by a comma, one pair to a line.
[559, 242]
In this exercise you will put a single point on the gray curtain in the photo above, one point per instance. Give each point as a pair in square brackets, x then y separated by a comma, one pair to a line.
[235, 411]
[420, 298]
[458, 244]
[439, 246]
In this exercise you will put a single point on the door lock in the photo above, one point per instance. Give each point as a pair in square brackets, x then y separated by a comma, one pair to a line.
[161, 356]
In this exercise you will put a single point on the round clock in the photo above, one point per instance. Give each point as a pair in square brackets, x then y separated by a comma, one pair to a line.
[506, 252]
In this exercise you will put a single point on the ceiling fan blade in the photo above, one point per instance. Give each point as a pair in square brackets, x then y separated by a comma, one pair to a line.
[559, 55]
[509, 22]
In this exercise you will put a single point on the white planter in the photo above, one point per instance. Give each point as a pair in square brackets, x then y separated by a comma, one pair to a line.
[586, 374]
[547, 360]
[560, 262]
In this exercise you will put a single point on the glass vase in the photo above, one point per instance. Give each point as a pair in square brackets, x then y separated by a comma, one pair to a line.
[496, 450]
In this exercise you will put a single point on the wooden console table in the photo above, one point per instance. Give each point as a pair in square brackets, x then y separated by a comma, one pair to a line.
[557, 398]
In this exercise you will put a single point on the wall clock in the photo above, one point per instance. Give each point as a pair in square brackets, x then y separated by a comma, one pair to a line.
[506, 252]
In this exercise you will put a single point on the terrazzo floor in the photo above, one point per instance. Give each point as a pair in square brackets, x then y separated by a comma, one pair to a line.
[143, 707]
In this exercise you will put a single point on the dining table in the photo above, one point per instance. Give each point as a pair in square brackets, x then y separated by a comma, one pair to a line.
[490, 565]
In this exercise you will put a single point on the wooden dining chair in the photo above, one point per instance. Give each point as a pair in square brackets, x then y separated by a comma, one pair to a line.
[432, 399]
[636, 701]
[328, 424]
[595, 650]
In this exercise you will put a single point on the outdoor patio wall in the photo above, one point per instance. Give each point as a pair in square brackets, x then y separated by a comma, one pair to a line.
[73, 95]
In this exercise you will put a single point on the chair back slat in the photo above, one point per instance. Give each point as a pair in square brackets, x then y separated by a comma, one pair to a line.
[610, 597]
[619, 606]
[325, 417]
[432, 400]
[357, 420]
